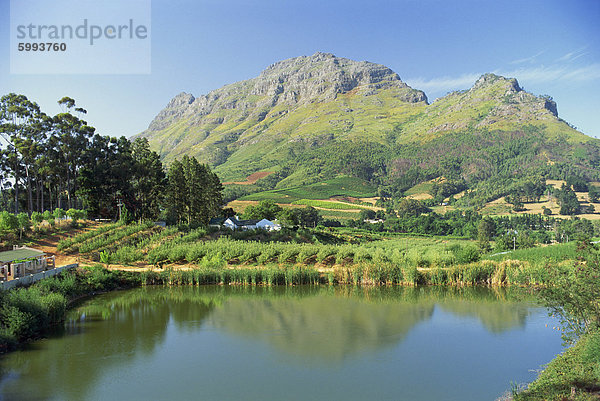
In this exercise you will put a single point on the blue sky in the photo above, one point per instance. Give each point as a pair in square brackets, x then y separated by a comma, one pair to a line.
[551, 47]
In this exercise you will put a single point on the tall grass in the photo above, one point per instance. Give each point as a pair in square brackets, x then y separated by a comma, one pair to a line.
[207, 274]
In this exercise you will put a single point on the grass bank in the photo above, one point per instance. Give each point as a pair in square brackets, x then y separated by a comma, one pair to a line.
[573, 375]
[28, 313]
[214, 270]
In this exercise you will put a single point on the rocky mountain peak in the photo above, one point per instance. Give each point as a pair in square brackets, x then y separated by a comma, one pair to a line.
[490, 86]
[305, 102]
[322, 76]
[294, 82]
[489, 79]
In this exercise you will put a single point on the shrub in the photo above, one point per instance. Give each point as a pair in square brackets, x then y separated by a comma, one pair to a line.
[59, 213]
[467, 254]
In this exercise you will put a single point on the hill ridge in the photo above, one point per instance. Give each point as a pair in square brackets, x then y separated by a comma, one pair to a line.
[297, 113]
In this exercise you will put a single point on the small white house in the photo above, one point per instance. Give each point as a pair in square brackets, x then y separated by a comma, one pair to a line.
[268, 225]
[235, 224]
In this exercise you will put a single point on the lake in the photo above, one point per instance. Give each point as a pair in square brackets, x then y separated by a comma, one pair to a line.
[288, 343]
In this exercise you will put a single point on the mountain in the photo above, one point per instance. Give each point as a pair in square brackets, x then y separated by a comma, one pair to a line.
[304, 99]
[311, 118]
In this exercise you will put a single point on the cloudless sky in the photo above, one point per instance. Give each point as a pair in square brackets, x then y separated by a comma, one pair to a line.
[552, 47]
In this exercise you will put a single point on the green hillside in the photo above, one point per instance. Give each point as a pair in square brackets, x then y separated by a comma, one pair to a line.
[311, 119]
[340, 186]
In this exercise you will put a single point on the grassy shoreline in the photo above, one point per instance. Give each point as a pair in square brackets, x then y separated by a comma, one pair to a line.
[30, 312]
[572, 375]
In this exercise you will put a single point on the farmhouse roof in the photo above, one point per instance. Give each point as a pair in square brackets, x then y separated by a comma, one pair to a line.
[18, 254]
[241, 223]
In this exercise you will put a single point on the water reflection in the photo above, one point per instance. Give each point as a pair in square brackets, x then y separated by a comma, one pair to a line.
[337, 323]
[326, 324]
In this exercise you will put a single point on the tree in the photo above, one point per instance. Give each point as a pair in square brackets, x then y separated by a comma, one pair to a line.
[367, 214]
[486, 230]
[21, 123]
[266, 209]
[288, 217]
[24, 223]
[8, 222]
[49, 217]
[307, 216]
[194, 194]
[67, 145]
[569, 204]
[75, 214]
[411, 208]
[105, 179]
[577, 183]
[59, 213]
[176, 192]
[37, 218]
[594, 194]
[574, 295]
[148, 180]
[516, 200]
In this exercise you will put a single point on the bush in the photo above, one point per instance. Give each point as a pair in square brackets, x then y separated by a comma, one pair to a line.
[467, 254]
[59, 213]
[48, 216]
[8, 222]
[37, 217]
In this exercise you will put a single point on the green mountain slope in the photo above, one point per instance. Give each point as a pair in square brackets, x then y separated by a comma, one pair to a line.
[310, 119]
[297, 103]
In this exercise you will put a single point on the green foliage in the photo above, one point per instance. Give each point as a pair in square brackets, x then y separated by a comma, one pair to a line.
[37, 218]
[125, 218]
[594, 193]
[24, 222]
[339, 186]
[59, 213]
[194, 193]
[445, 189]
[575, 293]
[467, 254]
[576, 369]
[105, 258]
[266, 209]
[569, 204]
[328, 204]
[48, 216]
[408, 207]
[307, 216]
[486, 230]
[8, 222]
[578, 183]
[27, 312]
[67, 243]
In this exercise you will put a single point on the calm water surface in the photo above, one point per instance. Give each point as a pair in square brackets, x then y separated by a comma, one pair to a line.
[297, 343]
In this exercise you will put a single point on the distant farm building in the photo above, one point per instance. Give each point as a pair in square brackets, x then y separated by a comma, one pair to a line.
[22, 261]
[234, 223]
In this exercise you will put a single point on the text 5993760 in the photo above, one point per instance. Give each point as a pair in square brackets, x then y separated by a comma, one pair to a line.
[42, 47]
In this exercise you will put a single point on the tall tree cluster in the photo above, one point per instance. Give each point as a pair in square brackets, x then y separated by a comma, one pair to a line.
[194, 194]
[49, 162]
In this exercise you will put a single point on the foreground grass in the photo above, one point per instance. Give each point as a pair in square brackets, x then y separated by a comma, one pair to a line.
[573, 375]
